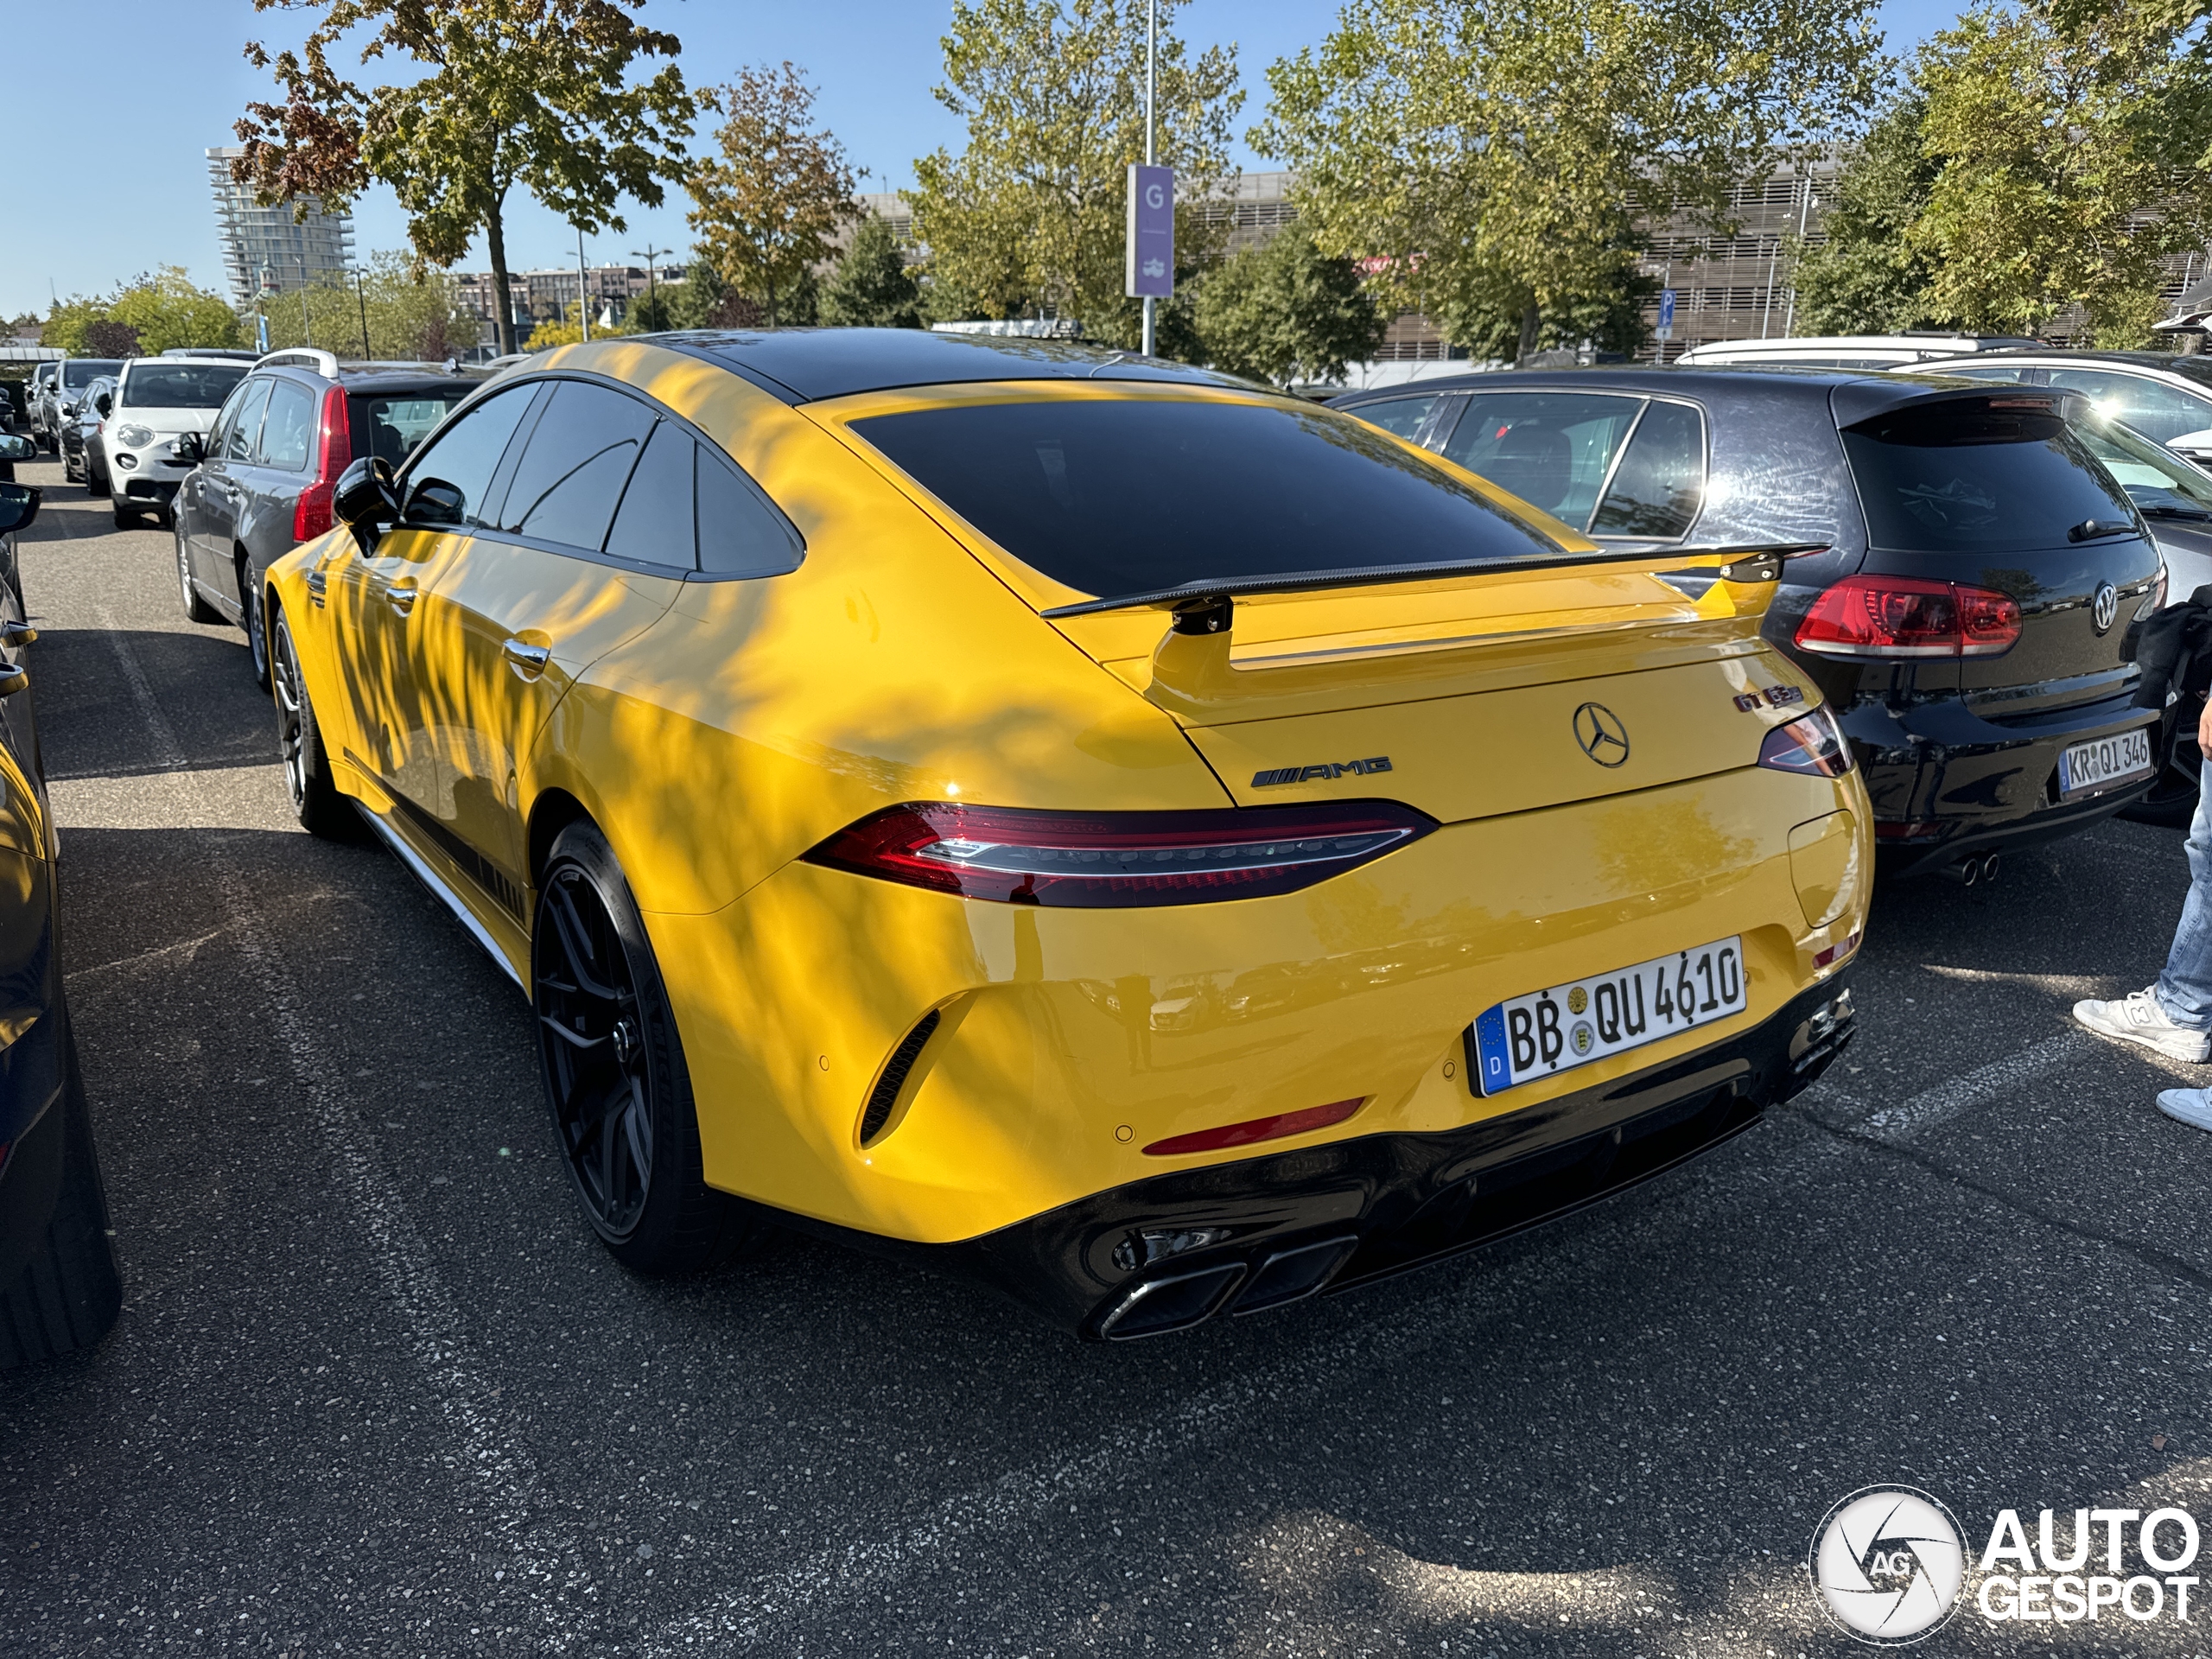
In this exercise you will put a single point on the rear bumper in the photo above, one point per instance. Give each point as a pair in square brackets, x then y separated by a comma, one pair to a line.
[1946, 783]
[1276, 1229]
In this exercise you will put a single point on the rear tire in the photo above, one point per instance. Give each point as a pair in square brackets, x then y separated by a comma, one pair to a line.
[613, 1065]
[196, 609]
[256, 631]
[316, 803]
[95, 480]
[2171, 803]
[125, 518]
[68, 1296]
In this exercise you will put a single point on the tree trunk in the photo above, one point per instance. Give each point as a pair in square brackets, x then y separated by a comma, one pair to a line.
[495, 241]
[1529, 318]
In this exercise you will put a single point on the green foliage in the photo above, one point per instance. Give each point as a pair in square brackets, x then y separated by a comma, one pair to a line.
[2071, 160]
[159, 310]
[414, 315]
[1029, 218]
[770, 208]
[569, 331]
[653, 312]
[529, 92]
[1868, 276]
[872, 287]
[1288, 313]
[703, 300]
[1493, 152]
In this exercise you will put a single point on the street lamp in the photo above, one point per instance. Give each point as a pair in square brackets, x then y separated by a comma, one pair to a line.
[650, 254]
[361, 296]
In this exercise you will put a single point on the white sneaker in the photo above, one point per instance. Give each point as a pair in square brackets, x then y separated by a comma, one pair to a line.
[2189, 1106]
[2138, 1019]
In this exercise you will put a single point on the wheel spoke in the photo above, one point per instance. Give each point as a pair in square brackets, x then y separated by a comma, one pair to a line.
[559, 1028]
[575, 944]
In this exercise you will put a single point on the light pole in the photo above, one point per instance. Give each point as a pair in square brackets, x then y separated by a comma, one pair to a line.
[583, 299]
[361, 296]
[650, 254]
[1151, 155]
[307, 327]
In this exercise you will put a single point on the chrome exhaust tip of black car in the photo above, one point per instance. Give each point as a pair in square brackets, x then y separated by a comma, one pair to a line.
[1973, 870]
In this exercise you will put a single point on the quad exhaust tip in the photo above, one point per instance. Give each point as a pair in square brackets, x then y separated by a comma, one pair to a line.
[1177, 1301]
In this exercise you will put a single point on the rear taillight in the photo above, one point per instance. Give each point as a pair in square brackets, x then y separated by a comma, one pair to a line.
[1114, 860]
[1909, 616]
[1811, 743]
[334, 449]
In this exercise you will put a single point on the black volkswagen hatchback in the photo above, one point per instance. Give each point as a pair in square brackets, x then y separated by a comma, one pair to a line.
[1964, 616]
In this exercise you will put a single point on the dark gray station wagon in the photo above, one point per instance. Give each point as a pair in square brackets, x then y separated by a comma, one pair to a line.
[1965, 618]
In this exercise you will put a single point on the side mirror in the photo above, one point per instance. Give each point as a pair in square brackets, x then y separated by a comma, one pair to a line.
[19, 506]
[434, 501]
[14, 448]
[190, 446]
[365, 500]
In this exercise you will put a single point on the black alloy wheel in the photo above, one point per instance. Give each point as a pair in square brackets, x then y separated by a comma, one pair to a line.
[614, 1070]
[316, 803]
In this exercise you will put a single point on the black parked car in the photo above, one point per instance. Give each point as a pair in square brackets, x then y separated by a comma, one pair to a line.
[61, 400]
[58, 1287]
[82, 461]
[270, 463]
[1966, 615]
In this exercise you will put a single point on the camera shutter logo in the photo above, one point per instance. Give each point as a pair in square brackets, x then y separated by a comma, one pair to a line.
[2104, 607]
[1887, 1563]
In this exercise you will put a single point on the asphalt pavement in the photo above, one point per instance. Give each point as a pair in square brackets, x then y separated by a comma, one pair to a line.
[377, 1390]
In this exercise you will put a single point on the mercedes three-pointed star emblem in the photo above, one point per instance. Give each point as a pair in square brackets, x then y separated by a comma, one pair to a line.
[1601, 734]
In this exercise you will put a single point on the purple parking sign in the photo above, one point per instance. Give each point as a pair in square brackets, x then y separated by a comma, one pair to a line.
[1151, 269]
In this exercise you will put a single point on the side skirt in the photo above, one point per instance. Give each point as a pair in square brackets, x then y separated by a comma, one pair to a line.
[439, 890]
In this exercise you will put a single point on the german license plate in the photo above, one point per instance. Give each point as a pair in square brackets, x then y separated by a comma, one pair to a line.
[1555, 1030]
[2108, 761]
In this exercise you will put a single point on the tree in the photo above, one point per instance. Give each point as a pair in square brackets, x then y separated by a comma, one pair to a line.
[1287, 311]
[1030, 216]
[529, 92]
[703, 300]
[2071, 162]
[108, 338]
[569, 331]
[1867, 276]
[1494, 152]
[149, 313]
[769, 209]
[872, 287]
[412, 312]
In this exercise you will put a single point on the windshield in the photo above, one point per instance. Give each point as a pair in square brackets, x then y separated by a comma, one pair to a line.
[394, 426]
[80, 371]
[1959, 477]
[181, 385]
[1133, 495]
[2155, 479]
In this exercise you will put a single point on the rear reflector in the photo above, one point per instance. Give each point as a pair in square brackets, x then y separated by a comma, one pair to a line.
[1114, 860]
[1835, 953]
[1811, 743]
[1909, 616]
[1257, 1128]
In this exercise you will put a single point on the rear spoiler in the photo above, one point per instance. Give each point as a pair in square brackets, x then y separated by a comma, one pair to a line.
[1208, 606]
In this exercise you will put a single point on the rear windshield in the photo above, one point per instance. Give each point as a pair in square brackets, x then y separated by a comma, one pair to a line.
[1131, 496]
[182, 385]
[1953, 478]
[83, 370]
[394, 426]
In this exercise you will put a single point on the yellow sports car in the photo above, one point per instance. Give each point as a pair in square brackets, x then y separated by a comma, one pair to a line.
[1158, 845]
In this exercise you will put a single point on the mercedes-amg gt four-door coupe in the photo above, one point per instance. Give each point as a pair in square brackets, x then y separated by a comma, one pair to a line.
[1164, 848]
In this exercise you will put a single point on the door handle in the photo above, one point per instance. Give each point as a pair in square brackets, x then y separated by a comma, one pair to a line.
[527, 660]
[400, 598]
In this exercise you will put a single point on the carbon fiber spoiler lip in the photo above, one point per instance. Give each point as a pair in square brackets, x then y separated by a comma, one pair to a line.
[1760, 561]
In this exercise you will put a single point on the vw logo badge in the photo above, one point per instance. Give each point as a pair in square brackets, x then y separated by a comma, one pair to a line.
[2105, 606]
[1601, 734]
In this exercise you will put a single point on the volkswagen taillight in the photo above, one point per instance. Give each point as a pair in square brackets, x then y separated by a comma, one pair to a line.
[1811, 743]
[1910, 616]
[334, 449]
[1116, 860]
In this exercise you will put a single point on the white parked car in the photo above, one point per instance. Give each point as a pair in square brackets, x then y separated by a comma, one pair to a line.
[157, 399]
[1842, 351]
[2160, 394]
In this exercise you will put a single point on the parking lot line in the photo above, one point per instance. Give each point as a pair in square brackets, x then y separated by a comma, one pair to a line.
[1930, 1107]
[539, 1555]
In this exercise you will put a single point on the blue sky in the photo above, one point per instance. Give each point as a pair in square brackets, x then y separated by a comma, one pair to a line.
[107, 173]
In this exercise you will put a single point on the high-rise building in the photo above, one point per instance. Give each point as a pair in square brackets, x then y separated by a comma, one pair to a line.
[266, 248]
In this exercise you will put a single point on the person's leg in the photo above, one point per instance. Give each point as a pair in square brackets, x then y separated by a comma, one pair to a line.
[2175, 1015]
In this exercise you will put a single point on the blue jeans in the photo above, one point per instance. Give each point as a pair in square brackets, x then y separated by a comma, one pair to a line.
[2185, 986]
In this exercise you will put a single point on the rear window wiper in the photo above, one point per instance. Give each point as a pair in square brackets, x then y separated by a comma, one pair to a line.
[2090, 529]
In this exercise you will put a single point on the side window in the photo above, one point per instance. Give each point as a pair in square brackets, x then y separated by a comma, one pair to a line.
[463, 459]
[286, 427]
[654, 523]
[218, 435]
[741, 531]
[245, 427]
[1401, 416]
[1551, 449]
[1658, 486]
[573, 465]
[2155, 410]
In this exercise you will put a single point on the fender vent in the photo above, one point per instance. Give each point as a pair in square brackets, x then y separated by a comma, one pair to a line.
[901, 1066]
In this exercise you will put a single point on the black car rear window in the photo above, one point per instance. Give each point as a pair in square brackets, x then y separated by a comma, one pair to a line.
[1977, 478]
[393, 425]
[1129, 496]
[181, 385]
